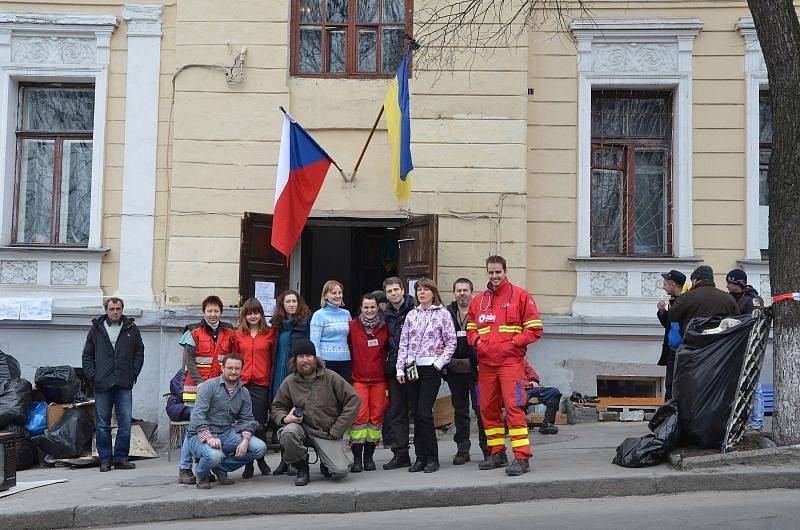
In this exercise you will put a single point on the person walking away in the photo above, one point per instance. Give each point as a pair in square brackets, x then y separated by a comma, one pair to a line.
[747, 300]
[221, 429]
[290, 323]
[369, 345]
[112, 359]
[204, 344]
[329, 328]
[315, 406]
[427, 343]
[255, 342]
[399, 305]
[503, 320]
[549, 396]
[672, 284]
[461, 374]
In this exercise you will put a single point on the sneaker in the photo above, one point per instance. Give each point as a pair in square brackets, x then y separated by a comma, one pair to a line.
[517, 468]
[124, 464]
[495, 461]
[222, 477]
[185, 476]
[418, 466]
[548, 428]
[203, 483]
[461, 458]
[398, 460]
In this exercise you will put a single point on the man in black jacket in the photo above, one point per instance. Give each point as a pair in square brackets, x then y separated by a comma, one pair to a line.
[703, 300]
[395, 316]
[462, 375]
[746, 296]
[112, 359]
[673, 284]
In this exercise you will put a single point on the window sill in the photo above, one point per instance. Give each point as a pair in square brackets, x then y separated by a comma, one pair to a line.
[44, 249]
[634, 259]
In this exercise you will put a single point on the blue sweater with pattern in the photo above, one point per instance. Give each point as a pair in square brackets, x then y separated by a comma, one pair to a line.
[329, 329]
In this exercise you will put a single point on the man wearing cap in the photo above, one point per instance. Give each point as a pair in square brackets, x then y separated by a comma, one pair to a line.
[315, 407]
[747, 300]
[672, 285]
[703, 300]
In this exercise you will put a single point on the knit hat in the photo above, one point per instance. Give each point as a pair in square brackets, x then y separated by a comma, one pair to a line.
[380, 296]
[303, 347]
[676, 276]
[737, 276]
[703, 272]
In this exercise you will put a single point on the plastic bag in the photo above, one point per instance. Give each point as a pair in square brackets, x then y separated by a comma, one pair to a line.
[9, 367]
[15, 400]
[59, 384]
[674, 336]
[665, 425]
[37, 418]
[707, 369]
[639, 452]
[70, 437]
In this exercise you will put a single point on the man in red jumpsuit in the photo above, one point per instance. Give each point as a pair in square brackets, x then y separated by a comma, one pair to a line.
[501, 322]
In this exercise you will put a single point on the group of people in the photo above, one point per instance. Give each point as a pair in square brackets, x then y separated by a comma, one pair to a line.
[701, 298]
[310, 379]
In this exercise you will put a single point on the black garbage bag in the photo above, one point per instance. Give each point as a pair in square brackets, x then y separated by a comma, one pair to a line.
[707, 369]
[70, 437]
[27, 453]
[59, 384]
[9, 367]
[665, 425]
[15, 400]
[640, 452]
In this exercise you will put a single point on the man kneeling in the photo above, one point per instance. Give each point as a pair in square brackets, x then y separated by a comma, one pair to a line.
[316, 407]
[222, 425]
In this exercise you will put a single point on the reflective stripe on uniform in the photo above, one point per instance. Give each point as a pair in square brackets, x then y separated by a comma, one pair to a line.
[522, 431]
[189, 396]
[496, 441]
[203, 360]
[520, 443]
[509, 329]
[472, 325]
[484, 331]
[532, 324]
[495, 430]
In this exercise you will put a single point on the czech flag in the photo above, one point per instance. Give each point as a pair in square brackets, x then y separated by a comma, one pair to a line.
[302, 166]
[398, 123]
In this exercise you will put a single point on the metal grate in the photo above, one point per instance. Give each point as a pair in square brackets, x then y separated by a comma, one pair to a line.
[748, 378]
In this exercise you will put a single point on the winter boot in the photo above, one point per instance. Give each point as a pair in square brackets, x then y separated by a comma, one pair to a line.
[263, 466]
[517, 468]
[185, 476]
[357, 466]
[431, 465]
[222, 477]
[398, 460]
[493, 462]
[203, 483]
[461, 458]
[418, 466]
[303, 474]
[248, 471]
[369, 451]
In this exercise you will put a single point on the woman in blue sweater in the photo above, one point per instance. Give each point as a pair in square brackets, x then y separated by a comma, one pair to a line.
[330, 326]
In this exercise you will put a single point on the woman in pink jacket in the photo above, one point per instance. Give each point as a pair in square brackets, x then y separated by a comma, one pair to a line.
[427, 343]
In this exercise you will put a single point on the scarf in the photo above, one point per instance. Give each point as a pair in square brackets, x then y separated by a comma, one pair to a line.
[371, 324]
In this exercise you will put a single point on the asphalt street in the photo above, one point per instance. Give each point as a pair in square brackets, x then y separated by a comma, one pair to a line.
[761, 509]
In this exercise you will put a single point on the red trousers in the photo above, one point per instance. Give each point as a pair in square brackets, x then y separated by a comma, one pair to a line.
[504, 387]
[369, 423]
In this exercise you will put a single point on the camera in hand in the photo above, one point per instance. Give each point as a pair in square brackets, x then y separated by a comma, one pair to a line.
[298, 412]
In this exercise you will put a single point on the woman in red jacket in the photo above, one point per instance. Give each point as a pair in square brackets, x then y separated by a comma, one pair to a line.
[254, 341]
[369, 345]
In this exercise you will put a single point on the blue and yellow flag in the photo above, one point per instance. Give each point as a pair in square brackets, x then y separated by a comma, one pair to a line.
[398, 122]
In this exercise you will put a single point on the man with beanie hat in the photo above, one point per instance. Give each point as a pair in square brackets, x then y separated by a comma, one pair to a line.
[747, 300]
[315, 407]
[673, 286]
[703, 300]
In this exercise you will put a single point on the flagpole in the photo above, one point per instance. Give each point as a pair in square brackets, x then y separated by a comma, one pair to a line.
[369, 139]
[341, 172]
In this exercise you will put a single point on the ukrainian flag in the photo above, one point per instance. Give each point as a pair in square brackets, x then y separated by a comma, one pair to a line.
[398, 122]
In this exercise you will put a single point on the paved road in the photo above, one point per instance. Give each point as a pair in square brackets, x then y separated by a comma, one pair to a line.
[763, 509]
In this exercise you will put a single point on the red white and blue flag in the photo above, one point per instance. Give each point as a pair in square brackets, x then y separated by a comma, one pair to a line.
[302, 166]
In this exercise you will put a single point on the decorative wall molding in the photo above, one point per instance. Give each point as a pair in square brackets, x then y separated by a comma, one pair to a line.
[143, 20]
[634, 57]
[651, 284]
[69, 272]
[609, 283]
[18, 272]
[53, 50]
[36, 20]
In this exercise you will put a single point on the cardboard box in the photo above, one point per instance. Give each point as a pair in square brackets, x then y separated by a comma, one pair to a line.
[443, 412]
[56, 410]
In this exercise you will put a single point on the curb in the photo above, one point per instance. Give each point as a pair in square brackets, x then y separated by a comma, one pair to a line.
[771, 456]
[106, 514]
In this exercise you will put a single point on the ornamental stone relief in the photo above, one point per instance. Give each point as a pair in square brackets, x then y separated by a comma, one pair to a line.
[18, 272]
[609, 283]
[54, 50]
[634, 57]
[651, 284]
[764, 289]
[68, 272]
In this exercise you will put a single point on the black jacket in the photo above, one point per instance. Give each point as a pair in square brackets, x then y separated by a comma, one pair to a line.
[663, 317]
[463, 349]
[748, 300]
[703, 300]
[106, 365]
[394, 321]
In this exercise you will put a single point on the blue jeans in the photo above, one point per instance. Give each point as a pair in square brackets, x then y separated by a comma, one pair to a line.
[225, 457]
[120, 399]
[186, 451]
[756, 418]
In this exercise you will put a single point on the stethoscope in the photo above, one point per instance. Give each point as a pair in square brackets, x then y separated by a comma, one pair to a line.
[488, 308]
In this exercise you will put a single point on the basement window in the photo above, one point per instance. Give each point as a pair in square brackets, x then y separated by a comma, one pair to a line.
[627, 386]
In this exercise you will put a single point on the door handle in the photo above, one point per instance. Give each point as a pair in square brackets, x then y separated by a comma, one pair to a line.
[405, 240]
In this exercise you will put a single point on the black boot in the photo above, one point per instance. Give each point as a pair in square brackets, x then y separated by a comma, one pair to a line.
[248, 471]
[398, 460]
[548, 424]
[356, 466]
[369, 451]
[263, 466]
[283, 467]
[303, 474]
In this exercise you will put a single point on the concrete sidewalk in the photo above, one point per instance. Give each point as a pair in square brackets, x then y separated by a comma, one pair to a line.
[576, 463]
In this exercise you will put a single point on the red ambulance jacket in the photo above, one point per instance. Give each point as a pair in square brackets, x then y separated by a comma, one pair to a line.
[505, 319]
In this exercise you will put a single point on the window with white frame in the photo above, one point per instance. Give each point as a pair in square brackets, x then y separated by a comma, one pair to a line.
[764, 155]
[54, 164]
